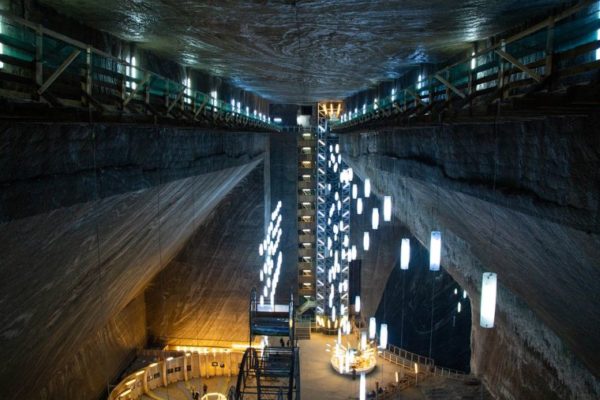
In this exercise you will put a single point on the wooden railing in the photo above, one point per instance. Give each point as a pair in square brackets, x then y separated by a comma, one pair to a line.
[40, 65]
[563, 46]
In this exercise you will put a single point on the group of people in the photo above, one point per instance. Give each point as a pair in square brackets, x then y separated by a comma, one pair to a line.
[196, 394]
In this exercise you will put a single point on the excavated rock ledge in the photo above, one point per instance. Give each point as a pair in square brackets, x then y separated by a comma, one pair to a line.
[545, 167]
[544, 344]
[46, 166]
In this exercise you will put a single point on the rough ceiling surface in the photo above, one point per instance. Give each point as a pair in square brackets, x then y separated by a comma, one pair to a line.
[301, 51]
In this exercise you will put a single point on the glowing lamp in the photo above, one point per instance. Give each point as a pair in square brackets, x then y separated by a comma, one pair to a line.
[357, 304]
[372, 328]
[435, 250]
[404, 253]
[383, 336]
[488, 300]
[387, 208]
[362, 393]
[366, 241]
[355, 191]
[375, 219]
[354, 252]
[359, 206]
[367, 188]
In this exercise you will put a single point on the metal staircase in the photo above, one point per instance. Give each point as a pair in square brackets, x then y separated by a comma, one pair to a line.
[273, 372]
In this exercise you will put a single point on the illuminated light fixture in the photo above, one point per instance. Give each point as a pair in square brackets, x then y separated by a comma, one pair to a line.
[169, 358]
[473, 60]
[458, 307]
[383, 336]
[435, 250]
[372, 328]
[488, 300]
[213, 97]
[363, 340]
[367, 188]
[455, 291]
[355, 191]
[359, 206]
[247, 110]
[232, 104]
[362, 392]
[261, 250]
[375, 219]
[239, 107]
[262, 300]
[354, 252]
[357, 304]
[405, 253]
[393, 95]
[464, 294]
[387, 208]
[333, 313]
[337, 148]
[366, 241]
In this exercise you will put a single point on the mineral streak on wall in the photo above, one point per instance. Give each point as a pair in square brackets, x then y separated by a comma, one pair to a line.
[89, 215]
[519, 199]
[202, 296]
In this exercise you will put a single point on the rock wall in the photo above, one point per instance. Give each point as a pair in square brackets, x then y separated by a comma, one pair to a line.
[519, 198]
[90, 214]
[202, 296]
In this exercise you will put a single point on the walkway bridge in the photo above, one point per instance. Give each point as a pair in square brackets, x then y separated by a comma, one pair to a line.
[273, 372]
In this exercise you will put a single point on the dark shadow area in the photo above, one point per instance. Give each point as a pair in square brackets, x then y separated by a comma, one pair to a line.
[421, 310]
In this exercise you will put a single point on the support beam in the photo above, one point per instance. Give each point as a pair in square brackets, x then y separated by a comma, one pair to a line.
[59, 71]
[450, 86]
[179, 96]
[199, 110]
[137, 88]
[534, 75]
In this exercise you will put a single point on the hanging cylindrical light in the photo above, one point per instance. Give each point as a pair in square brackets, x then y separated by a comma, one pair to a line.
[383, 336]
[363, 340]
[366, 241]
[375, 219]
[405, 253]
[387, 208]
[435, 251]
[458, 307]
[359, 206]
[362, 393]
[357, 304]
[354, 191]
[367, 188]
[488, 300]
[372, 328]
[354, 252]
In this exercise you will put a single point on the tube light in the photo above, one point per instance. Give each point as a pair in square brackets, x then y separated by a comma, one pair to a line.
[354, 252]
[372, 328]
[359, 206]
[405, 253]
[367, 188]
[383, 336]
[366, 241]
[357, 304]
[363, 340]
[488, 300]
[387, 208]
[458, 307]
[435, 250]
[375, 219]
[362, 394]
[355, 191]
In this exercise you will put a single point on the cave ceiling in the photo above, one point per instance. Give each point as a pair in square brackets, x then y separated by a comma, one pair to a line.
[303, 51]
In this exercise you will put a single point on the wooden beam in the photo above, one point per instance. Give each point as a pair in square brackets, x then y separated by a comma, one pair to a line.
[59, 71]
[199, 110]
[449, 86]
[179, 96]
[137, 88]
[536, 77]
